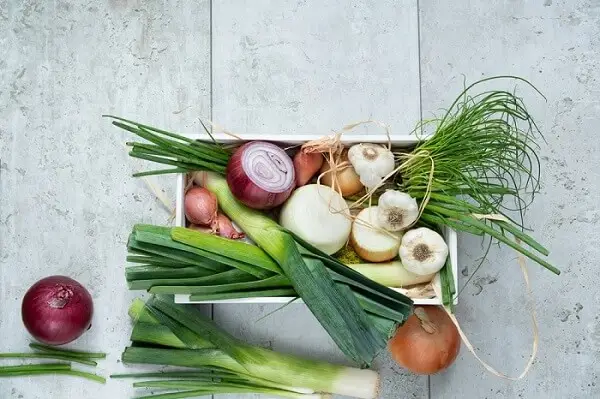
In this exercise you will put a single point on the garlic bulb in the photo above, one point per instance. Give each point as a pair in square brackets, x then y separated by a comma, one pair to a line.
[423, 251]
[372, 162]
[396, 210]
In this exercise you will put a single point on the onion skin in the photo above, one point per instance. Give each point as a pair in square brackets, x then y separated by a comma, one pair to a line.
[348, 182]
[306, 164]
[261, 175]
[57, 310]
[200, 206]
[427, 343]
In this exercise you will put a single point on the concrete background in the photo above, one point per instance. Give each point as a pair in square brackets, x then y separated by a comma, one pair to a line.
[67, 201]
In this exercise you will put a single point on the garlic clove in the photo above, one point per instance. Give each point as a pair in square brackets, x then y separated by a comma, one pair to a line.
[397, 210]
[423, 251]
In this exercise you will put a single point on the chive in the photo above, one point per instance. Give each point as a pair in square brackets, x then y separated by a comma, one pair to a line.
[73, 373]
[54, 356]
[68, 352]
[33, 367]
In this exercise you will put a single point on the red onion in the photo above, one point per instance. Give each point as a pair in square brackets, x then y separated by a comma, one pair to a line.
[200, 206]
[57, 310]
[261, 175]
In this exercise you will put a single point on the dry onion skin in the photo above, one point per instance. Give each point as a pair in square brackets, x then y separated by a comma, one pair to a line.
[347, 181]
[427, 343]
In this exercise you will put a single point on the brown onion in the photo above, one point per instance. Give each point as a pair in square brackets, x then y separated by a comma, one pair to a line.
[427, 343]
[347, 180]
[261, 175]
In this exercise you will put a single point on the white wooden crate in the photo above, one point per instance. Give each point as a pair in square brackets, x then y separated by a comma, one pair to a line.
[398, 141]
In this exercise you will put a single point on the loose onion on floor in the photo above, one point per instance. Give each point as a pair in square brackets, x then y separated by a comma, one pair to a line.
[57, 310]
[427, 343]
[369, 242]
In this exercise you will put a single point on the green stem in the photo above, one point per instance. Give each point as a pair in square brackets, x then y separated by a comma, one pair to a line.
[35, 367]
[68, 352]
[47, 356]
[74, 373]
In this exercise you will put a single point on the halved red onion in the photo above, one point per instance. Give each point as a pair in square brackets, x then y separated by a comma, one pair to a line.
[261, 175]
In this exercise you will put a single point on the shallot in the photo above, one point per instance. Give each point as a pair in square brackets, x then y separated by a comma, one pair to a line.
[200, 206]
[306, 164]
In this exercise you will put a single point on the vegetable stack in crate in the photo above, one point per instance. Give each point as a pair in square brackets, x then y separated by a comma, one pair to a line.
[353, 229]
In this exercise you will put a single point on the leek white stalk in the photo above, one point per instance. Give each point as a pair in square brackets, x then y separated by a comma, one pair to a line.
[391, 274]
[423, 251]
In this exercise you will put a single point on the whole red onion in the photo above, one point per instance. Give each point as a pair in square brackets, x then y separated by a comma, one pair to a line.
[57, 310]
[261, 175]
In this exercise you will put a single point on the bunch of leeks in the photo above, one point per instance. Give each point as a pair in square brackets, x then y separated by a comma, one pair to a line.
[179, 335]
[178, 260]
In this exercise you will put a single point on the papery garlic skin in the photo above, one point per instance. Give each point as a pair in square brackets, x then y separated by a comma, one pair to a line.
[423, 251]
[397, 210]
[372, 162]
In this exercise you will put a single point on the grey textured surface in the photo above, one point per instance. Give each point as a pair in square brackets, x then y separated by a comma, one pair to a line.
[67, 202]
[67, 199]
[313, 66]
[554, 44]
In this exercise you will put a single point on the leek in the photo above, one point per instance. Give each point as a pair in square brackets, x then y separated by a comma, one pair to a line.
[236, 283]
[188, 339]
